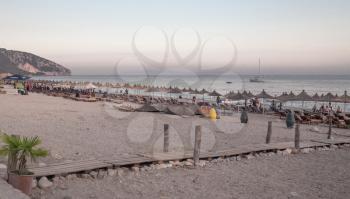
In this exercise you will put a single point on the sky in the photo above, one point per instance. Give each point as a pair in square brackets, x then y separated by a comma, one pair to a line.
[289, 36]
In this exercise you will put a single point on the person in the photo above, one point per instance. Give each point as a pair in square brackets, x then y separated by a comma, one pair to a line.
[314, 108]
[339, 109]
[194, 99]
[218, 100]
[126, 91]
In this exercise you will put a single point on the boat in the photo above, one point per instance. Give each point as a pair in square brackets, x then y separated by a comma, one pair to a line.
[228, 82]
[257, 78]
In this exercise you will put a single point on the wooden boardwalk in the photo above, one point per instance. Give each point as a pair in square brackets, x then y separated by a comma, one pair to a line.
[88, 165]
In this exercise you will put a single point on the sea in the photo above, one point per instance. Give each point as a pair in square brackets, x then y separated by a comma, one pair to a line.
[273, 84]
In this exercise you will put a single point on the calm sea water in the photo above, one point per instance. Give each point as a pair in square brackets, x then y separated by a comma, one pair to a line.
[273, 84]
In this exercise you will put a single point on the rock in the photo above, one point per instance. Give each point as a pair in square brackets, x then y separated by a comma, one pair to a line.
[67, 197]
[71, 176]
[3, 166]
[333, 146]
[57, 156]
[190, 160]
[287, 151]
[161, 166]
[294, 194]
[177, 163]
[93, 174]
[135, 169]
[120, 171]
[111, 172]
[306, 150]
[101, 174]
[41, 164]
[187, 163]
[44, 183]
[35, 183]
[202, 163]
[56, 179]
[249, 157]
[315, 129]
[238, 158]
[85, 176]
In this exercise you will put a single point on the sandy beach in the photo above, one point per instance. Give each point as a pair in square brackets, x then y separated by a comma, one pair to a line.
[74, 130]
[321, 174]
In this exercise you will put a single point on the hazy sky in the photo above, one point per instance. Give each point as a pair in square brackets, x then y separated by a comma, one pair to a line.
[290, 36]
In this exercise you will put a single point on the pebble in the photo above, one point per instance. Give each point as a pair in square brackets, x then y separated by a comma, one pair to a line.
[101, 174]
[44, 183]
[93, 174]
[71, 176]
[315, 129]
[3, 166]
[41, 164]
[35, 183]
[111, 172]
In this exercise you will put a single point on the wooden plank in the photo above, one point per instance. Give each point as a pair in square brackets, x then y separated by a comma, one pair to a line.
[331, 141]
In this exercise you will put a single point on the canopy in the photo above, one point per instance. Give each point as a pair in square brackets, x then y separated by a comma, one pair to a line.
[316, 97]
[16, 77]
[174, 90]
[264, 95]
[303, 96]
[90, 86]
[203, 91]
[214, 94]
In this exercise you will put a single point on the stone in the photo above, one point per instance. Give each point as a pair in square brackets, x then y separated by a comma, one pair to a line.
[57, 156]
[71, 176]
[315, 129]
[249, 157]
[287, 151]
[56, 179]
[101, 174]
[35, 183]
[135, 169]
[93, 174]
[44, 183]
[306, 150]
[67, 197]
[111, 172]
[161, 166]
[202, 163]
[85, 176]
[41, 164]
[187, 163]
[190, 160]
[3, 166]
[238, 158]
[333, 146]
[120, 171]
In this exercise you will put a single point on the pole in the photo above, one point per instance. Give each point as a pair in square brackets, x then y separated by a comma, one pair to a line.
[269, 132]
[197, 144]
[166, 138]
[297, 137]
[330, 127]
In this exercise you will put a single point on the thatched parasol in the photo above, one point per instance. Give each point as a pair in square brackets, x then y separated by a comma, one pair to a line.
[195, 91]
[345, 98]
[283, 97]
[203, 91]
[264, 95]
[214, 94]
[316, 97]
[236, 96]
[174, 90]
[328, 97]
[303, 96]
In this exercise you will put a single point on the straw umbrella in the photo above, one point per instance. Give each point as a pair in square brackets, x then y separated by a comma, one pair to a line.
[345, 98]
[303, 96]
[263, 95]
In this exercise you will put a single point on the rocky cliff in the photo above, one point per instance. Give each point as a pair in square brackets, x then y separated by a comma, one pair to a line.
[24, 63]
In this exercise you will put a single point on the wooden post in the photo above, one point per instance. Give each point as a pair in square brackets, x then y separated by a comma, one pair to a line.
[330, 128]
[197, 144]
[297, 137]
[166, 138]
[269, 132]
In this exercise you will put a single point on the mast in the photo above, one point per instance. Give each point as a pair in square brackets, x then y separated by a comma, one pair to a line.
[259, 65]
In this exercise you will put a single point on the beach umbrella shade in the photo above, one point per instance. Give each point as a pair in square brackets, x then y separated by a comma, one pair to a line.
[328, 97]
[215, 94]
[17, 77]
[203, 91]
[90, 86]
[283, 97]
[316, 97]
[345, 98]
[175, 90]
[195, 91]
[264, 95]
[303, 96]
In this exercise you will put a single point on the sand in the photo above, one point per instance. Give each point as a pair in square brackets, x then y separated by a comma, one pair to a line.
[74, 130]
[320, 174]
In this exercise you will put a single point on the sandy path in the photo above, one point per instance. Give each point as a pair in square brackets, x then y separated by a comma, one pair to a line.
[78, 130]
[321, 174]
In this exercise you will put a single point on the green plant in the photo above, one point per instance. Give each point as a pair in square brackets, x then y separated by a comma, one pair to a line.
[19, 149]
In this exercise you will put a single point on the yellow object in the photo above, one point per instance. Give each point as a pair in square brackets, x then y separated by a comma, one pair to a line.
[212, 114]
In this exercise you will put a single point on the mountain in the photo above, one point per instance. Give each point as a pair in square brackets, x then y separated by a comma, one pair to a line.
[17, 62]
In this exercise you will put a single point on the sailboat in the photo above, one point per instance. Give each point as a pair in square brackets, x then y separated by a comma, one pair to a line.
[257, 78]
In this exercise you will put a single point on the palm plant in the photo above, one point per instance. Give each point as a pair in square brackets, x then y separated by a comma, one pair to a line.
[19, 149]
